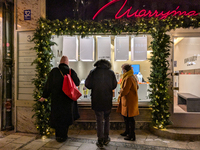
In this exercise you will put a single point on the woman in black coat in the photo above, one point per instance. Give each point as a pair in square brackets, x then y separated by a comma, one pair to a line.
[63, 110]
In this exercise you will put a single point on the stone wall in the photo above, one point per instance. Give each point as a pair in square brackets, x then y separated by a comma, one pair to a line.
[23, 113]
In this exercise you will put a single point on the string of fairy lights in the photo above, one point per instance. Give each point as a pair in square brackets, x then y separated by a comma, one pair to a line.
[159, 81]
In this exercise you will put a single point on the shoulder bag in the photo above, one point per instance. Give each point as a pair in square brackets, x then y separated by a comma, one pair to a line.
[69, 87]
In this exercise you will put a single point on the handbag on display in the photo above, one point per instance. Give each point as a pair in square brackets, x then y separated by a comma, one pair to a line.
[69, 87]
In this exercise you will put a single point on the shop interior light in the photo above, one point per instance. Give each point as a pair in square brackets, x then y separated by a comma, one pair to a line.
[73, 60]
[17, 25]
[177, 40]
[121, 60]
[86, 60]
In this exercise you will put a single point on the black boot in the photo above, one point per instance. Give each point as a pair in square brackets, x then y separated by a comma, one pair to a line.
[100, 143]
[124, 134]
[131, 136]
[106, 141]
[127, 127]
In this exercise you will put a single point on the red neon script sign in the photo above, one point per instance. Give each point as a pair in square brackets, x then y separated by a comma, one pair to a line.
[144, 13]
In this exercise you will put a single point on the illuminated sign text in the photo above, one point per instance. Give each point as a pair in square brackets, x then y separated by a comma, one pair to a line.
[145, 13]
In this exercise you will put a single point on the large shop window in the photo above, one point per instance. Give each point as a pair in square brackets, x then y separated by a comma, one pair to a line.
[186, 78]
[117, 49]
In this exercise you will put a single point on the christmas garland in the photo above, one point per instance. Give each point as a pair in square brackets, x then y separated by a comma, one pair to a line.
[159, 81]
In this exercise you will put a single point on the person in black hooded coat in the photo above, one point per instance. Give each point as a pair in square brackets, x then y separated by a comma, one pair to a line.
[63, 110]
[102, 82]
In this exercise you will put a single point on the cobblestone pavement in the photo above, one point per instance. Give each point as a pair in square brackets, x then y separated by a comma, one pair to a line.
[86, 139]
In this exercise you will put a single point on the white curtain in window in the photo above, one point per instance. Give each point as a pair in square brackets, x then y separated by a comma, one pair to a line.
[87, 49]
[104, 48]
[70, 47]
[138, 48]
[121, 48]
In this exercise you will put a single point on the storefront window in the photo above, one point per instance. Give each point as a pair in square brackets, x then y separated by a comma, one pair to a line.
[186, 74]
[141, 68]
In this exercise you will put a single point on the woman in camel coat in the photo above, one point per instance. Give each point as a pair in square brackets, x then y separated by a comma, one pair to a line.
[128, 101]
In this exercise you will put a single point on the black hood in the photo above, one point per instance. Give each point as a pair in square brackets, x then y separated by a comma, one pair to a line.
[64, 68]
[103, 63]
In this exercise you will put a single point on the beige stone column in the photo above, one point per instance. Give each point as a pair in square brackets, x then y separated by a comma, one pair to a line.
[23, 121]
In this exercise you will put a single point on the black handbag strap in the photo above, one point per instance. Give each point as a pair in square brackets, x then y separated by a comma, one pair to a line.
[62, 73]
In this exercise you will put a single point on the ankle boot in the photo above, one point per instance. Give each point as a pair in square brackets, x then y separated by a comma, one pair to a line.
[125, 133]
[131, 135]
[129, 138]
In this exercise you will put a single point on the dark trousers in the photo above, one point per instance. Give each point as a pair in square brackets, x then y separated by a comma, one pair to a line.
[130, 126]
[103, 129]
[62, 132]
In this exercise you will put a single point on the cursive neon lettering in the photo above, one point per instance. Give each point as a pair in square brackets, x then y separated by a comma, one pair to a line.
[144, 13]
[192, 13]
[102, 8]
[127, 12]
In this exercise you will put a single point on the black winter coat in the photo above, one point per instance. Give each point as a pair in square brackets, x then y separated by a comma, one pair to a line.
[101, 81]
[63, 110]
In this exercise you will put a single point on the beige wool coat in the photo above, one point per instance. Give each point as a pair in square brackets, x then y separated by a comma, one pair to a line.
[128, 105]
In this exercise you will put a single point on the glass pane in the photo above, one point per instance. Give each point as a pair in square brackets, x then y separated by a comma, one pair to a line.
[83, 68]
[186, 74]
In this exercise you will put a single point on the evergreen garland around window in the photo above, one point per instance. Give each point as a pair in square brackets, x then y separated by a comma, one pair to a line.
[159, 81]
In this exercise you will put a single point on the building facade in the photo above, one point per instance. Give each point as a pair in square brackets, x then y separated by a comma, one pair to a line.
[184, 62]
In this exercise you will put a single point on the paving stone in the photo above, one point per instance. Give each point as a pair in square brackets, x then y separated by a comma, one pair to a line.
[23, 139]
[86, 140]
[157, 143]
[70, 143]
[122, 148]
[53, 144]
[6, 140]
[1, 134]
[43, 140]
[11, 146]
[13, 136]
[65, 147]
[33, 146]
[178, 144]
[194, 145]
[3, 143]
[47, 148]
[109, 147]
[86, 146]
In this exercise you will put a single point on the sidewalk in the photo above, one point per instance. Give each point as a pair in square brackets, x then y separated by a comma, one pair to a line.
[86, 139]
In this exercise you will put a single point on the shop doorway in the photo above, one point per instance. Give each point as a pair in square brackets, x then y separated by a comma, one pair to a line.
[186, 79]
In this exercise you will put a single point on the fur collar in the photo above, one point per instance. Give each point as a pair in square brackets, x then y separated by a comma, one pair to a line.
[103, 63]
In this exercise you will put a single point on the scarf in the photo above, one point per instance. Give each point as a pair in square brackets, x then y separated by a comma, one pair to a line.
[125, 75]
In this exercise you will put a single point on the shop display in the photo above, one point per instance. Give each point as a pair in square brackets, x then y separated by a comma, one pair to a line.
[191, 102]
[186, 77]
[139, 76]
[136, 68]
[86, 64]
